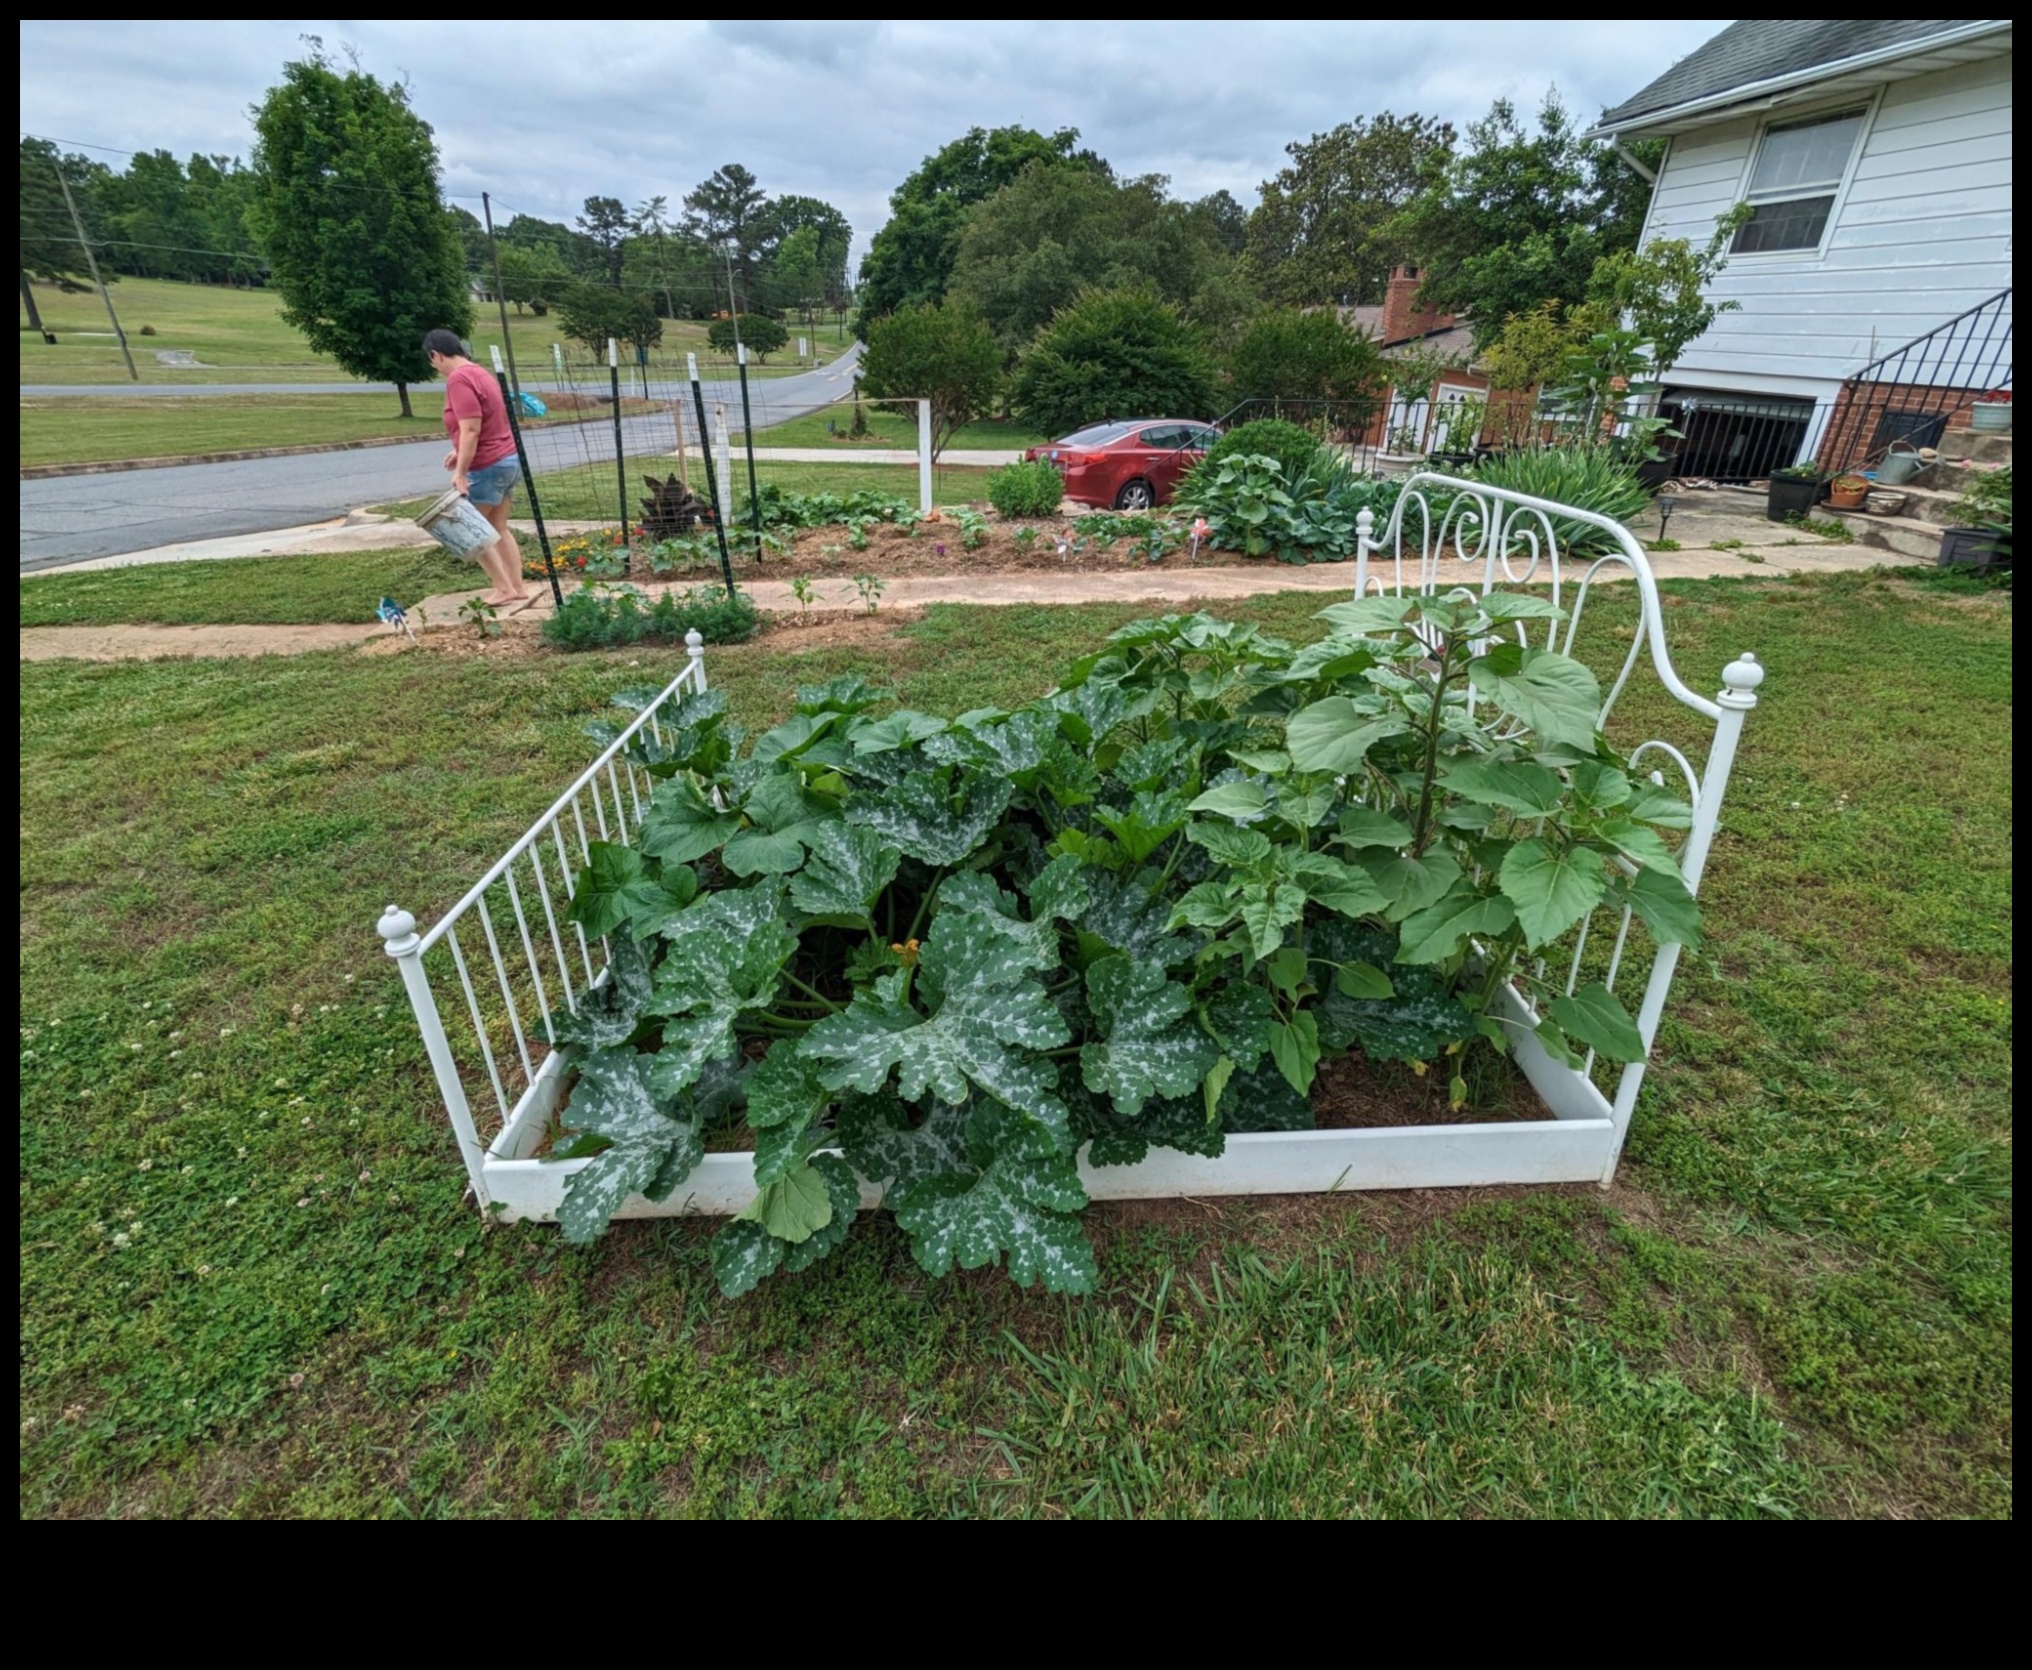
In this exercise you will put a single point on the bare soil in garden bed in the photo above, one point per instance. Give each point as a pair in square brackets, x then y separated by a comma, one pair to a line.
[935, 548]
[1356, 1094]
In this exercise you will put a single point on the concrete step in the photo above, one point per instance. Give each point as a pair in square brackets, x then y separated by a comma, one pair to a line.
[1919, 541]
[1932, 505]
[1985, 446]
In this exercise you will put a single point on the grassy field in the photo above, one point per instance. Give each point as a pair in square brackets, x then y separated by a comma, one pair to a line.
[278, 591]
[249, 1284]
[587, 492]
[64, 429]
[238, 337]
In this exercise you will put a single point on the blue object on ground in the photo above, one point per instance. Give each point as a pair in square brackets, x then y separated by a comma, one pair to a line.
[530, 405]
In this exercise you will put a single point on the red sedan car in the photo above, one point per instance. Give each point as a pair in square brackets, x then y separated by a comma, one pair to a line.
[1128, 465]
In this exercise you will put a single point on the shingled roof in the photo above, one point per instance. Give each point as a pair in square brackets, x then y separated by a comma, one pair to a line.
[1757, 50]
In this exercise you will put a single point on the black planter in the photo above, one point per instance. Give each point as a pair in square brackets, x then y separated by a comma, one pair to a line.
[1654, 473]
[1792, 496]
[1454, 460]
[1975, 547]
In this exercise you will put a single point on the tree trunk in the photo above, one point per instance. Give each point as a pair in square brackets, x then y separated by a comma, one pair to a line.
[34, 316]
[402, 394]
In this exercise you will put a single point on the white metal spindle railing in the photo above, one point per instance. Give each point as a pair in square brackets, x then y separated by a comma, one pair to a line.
[402, 942]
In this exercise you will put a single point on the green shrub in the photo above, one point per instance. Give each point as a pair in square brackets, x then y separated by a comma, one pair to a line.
[1293, 354]
[1254, 505]
[949, 954]
[1586, 477]
[596, 618]
[759, 334]
[1032, 489]
[1293, 448]
[817, 510]
[1113, 354]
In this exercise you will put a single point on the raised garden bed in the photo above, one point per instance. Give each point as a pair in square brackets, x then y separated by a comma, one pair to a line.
[977, 1001]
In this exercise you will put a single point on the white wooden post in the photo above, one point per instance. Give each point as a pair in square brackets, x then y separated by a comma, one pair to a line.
[1740, 679]
[398, 933]
[924, 457]
[695, 647]
[1365, 527]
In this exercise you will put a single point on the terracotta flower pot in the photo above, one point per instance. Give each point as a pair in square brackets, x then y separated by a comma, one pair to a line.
[1844, 494]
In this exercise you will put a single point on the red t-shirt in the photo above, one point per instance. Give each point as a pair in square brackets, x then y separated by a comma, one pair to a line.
[471, 393]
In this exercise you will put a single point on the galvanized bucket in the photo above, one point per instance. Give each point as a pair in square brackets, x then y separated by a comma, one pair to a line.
[457, 526]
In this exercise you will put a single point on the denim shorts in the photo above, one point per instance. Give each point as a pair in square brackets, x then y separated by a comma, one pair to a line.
[494, 483]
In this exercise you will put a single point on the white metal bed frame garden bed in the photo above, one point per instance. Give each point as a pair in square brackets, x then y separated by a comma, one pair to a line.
[1443, 533]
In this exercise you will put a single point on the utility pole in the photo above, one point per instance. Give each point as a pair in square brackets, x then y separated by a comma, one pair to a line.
[734, 307]
[92, 264]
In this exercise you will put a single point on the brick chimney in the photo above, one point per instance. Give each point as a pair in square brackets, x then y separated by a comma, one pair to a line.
[1403, 315]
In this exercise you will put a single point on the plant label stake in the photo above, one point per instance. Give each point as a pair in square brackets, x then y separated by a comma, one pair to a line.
[528, 481]
[698, 400]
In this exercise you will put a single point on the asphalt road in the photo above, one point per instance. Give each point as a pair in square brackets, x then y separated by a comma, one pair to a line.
[65, 518]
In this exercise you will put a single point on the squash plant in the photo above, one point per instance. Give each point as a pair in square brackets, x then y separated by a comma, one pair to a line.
[943, 954]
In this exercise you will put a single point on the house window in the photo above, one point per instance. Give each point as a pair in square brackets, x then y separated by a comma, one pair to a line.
[1799, 168]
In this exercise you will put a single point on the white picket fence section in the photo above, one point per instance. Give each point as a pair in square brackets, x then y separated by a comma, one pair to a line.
[521, 956]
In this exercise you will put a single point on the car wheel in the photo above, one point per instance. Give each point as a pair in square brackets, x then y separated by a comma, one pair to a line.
[1135, 495]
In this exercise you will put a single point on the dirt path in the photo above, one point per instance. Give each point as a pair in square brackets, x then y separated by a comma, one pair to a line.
[836, 596]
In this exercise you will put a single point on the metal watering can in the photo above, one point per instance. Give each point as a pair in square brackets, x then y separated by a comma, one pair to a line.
[1900, 465]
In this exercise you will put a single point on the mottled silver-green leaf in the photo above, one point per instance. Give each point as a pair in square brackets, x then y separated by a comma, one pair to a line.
[725, 955]
[793, 1207]
[1238, 1014]
[744, 1254]
[609, 1012]
[995, 907]
[1019, 1206]
[930, 817]
[1006, 746]
[884, 1150]
[1143, 1051]
[1163, 764]
[983, 1012]
[1551, 889]
[594, 1192]
[613, 1098]
[1059, 892]
[1124, 914]
[847, 869]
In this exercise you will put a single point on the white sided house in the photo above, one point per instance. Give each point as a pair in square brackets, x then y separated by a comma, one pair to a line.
[1873, 276]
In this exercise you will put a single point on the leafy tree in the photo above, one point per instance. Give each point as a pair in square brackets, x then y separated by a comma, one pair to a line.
[760, 334]
[830, 238]
[911, 258]
[1520, 216]
[1222, 220]
[532, 278]
[1053, 232]
[795, 278]
[1661, 290]
[1114, 354]
[1533, 347]
[49, 246]
[591, 313]
[564, 246]
[1292, 355]
[1323, 231]
[728, 206]
[604, 225]
[349, 215]
[944, 353]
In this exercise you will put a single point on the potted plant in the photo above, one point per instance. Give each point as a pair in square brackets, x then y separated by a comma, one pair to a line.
[1848, 491]
[1794, 491]
[1992, 412]
[1984, 512]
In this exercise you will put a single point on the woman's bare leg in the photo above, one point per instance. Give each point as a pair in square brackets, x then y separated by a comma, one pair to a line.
[503, 559]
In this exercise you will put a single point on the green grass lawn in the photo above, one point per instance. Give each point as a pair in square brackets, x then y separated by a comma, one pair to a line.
[887, 427]
[249, 1284]
[279, 591]
[65, 429]
[238, 336]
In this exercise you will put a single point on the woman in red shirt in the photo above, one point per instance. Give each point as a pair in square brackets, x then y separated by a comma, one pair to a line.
[482, 461]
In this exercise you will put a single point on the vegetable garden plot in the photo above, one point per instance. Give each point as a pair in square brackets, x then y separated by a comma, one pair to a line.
[979, 970]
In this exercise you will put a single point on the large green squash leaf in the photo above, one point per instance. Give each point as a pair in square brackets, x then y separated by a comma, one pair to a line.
[650, 1149]
[744, 1254]
[792, 1208]
[1147, 1049]
[681, 824]
[610, 1012]
[846, 872]
[936, 816]
[725, 956]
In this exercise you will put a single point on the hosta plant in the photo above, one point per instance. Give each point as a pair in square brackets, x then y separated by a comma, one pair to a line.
[940, 955]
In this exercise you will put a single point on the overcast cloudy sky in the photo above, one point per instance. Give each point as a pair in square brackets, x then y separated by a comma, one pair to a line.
[542, 115]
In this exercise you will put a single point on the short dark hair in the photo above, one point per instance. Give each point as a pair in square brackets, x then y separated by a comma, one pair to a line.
[442, 342]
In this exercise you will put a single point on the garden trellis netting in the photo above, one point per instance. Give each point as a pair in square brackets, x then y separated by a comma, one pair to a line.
[507, 966]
